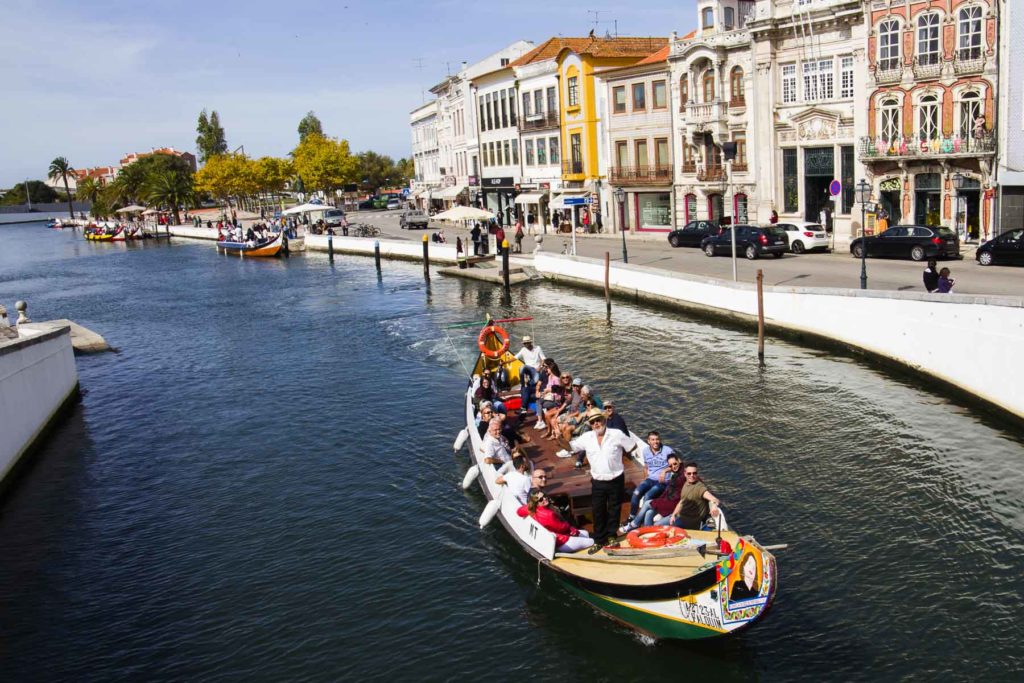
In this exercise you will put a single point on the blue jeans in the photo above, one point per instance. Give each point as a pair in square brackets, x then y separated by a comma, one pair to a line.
[643, 518]
[649, 487]
[499, 407]
[527, 380]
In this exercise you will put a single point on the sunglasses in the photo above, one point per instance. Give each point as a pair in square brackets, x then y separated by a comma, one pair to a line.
[673, 465]
[691, 474]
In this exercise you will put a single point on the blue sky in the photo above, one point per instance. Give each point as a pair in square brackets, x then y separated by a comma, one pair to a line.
[94, 80]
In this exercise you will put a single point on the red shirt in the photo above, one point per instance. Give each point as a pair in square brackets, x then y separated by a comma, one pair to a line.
[553, 522]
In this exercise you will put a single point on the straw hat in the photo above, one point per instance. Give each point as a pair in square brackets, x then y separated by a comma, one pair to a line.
[595, 413]
[527, 339]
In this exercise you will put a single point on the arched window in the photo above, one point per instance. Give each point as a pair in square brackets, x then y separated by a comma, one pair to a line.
[707, 18]
[969, 44]
[890, 128]
[970, 113]
[928, 39]
[709, 86]
[736, 87]
[928, 118]
[684, 92]
[889, 45]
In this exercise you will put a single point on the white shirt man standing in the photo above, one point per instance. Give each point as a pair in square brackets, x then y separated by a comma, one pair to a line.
[604, 449]
[531, 357]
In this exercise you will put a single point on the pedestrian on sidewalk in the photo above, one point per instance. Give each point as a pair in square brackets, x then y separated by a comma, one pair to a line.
[519, 237]
[931, 276]
[499, 237]
[475, 235]
[945, 282]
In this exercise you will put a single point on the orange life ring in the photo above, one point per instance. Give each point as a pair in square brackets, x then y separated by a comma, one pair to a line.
[655, 536]
[498, 332]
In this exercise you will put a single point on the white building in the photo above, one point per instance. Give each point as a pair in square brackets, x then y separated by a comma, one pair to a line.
[1011, 119]
[498, 130]
[425, 154]
[539, 128]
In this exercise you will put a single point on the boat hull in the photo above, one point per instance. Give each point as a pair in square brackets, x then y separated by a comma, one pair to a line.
[268, 250]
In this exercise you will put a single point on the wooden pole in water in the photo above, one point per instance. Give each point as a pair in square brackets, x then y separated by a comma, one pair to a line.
[607, 287]
[760, 314]
[504, 266]
[426, 259]
[330, 247]
[376, 254]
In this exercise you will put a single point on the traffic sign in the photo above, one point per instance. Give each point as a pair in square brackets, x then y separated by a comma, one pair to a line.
[577, 201]
[834, 188]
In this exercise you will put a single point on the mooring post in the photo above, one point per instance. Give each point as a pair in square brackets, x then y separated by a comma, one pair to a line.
[426, 259]
[760, 314]
[504, 265]
[376, 254]
[607, 286]
[330, 246]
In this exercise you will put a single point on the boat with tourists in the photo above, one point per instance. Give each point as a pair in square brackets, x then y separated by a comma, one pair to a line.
[104, 232]
[275, 246]
[663, 581]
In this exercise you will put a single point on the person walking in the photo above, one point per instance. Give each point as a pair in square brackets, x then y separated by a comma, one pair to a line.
[499, 238]
[931, 276]
[519, 237]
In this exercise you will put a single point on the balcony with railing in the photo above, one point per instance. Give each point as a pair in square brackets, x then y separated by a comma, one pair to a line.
[889, 71]
[641, 175]
[927, 67]
[740, 167]
[543, 121]
[968, 60]
[711, 174]
[881, 148]
[570, 168]
[706, 112]
[689, 167]
[737, 102]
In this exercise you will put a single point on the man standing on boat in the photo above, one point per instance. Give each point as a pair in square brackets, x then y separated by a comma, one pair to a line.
[604, 449]
[531, 357]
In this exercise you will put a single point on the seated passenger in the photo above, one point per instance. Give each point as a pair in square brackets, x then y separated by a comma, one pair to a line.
[660, 506]
[516, 476]
[572, 410]
[568, 539]
[486, 392]
[615, 420]
[496, 448]
[551, 404]
[656, 469]
[695, 501]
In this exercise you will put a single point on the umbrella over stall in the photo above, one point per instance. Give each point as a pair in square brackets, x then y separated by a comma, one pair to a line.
[464, 213]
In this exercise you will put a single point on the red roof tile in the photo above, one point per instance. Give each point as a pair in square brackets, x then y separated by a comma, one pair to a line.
[597, 47]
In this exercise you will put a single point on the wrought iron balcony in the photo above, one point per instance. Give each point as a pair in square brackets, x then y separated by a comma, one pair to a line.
[689, 167]
[968, 61]
[543, 121]
[641, 175]
[927, 67]
[572, 168]
[711, 174]
[889, 71]
[738, 102]
[880, 148]
[740, 167]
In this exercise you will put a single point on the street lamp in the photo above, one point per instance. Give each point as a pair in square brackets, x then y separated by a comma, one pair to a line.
[958, 184]
[620, 197]
[863, 195]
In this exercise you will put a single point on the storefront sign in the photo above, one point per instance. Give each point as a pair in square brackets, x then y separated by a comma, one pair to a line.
[473, 181]
[499, 182]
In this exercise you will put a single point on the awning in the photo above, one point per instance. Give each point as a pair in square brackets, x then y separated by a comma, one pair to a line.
[559, 201]
[530, 197]
[450, 192]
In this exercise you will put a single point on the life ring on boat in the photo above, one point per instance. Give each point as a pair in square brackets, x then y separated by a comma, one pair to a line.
[655, 536]
[498, 332]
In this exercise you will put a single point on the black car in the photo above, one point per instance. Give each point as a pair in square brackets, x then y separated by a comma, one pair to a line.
[751, 241]
[693, 233]
[1008, 248]
[915, 241]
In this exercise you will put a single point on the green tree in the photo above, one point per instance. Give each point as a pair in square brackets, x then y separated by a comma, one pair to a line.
[374, 170]
[324, 163]
[210, 139]
[61, 168]
[105, 202]
[38, 191]
[308, 125]
[132, 180]
[88, 190]
[170, 188]
[405, 171]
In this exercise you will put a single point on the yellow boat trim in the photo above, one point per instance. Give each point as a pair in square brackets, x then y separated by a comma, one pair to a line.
[656, 614]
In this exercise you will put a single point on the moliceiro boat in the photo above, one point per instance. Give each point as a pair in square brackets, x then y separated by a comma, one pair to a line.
[663, 582]
[274, 247]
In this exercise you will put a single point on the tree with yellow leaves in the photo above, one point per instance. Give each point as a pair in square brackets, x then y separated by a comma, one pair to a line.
[324, 163]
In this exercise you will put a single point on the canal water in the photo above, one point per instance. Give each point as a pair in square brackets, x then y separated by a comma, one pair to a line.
[260, 485]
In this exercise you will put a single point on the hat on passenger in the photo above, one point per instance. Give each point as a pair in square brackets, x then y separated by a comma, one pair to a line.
[527, 339]
[609, 402]
[577, 382]
[595, 414]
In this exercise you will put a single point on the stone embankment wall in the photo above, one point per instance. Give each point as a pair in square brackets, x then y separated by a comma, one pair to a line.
[389, 249]
[970, 342]
[38, 378]
[57, 209]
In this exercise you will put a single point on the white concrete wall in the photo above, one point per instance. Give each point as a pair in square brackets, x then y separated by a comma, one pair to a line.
[194, 233]
[972, 342]
[389, 249]
[37, 374]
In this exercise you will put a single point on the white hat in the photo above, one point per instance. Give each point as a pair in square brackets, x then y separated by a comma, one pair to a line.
[527, 339]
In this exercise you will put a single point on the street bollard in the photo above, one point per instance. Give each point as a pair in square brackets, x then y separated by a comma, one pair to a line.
[504, 266]
[376, 254]
[426, 259]
[330, 247]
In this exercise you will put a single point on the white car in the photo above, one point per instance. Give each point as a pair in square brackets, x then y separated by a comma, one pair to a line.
[805, 237]
[394, 204]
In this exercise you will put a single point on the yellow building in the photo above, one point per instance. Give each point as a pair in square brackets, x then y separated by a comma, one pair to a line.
[578, 59]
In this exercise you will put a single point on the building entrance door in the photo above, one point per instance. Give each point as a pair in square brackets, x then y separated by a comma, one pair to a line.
[819, 170]
[927, 199]
[890, 196]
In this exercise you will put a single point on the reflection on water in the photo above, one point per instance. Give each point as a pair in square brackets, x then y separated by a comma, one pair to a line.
[261, 485]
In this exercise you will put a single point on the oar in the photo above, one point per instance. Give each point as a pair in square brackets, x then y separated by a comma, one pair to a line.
[460, 440]
[471, 474]
[491, 508]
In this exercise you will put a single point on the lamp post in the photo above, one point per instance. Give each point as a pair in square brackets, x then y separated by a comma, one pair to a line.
[620, 197]
[958, 184]
[863, 195]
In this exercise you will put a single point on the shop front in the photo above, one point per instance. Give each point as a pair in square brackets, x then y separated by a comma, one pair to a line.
[499, 196]
[532, 203]
[652, 211]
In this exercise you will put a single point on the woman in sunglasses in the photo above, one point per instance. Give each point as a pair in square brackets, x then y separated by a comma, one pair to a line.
[662, 504]
[568, 539]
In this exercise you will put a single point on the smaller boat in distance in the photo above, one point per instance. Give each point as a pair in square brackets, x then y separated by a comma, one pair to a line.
[274, 247]
[105, 232]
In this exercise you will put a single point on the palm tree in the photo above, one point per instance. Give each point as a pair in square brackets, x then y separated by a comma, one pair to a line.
[170, 188]
[88, 190]
[60, 168]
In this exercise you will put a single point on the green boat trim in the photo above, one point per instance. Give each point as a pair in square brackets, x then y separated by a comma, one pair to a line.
[656, 625]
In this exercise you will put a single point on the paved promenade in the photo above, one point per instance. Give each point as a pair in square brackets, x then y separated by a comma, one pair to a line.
[837, 269]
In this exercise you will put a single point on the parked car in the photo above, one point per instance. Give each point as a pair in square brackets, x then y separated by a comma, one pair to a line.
[917, 242]
[413, 219]
[334, 217]
[693, 233]
[394, 204]
[367, 205]
[803, 237]
[751, 241]
[1008, 248]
